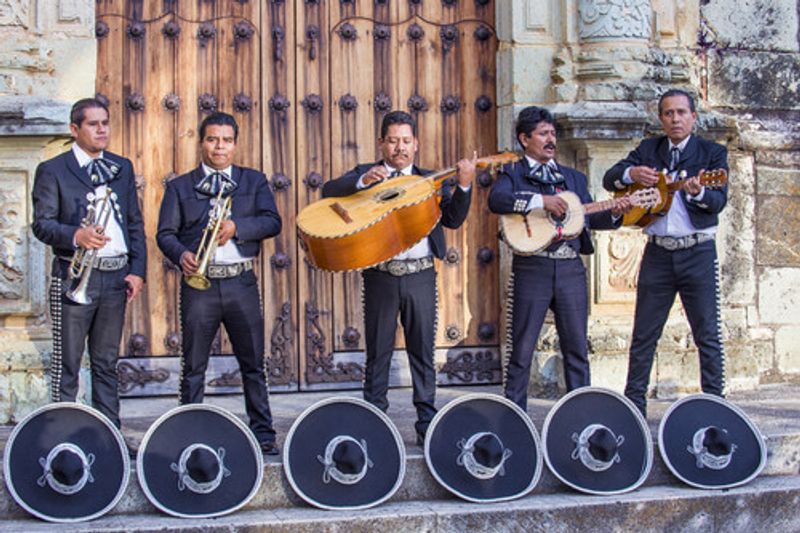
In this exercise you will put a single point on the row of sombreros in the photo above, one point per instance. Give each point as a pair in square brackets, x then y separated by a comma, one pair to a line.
[66, 462]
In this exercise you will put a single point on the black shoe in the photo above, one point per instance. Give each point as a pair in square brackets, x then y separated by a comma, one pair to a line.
[270, 448]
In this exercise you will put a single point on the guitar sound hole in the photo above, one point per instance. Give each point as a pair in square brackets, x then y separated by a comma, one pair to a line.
[388, 195]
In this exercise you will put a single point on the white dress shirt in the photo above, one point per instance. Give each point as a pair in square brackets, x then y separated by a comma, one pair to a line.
[228, 253]
[116, 246]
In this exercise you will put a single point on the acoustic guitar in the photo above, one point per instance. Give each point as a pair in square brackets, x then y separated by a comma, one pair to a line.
[375, 224]
[531, 233]
[641, 216]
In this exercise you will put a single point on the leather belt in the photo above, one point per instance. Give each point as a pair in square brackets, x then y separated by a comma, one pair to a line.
[401, 267]
[680, 243]
[106, 264]
[564, 251]
[228, 271]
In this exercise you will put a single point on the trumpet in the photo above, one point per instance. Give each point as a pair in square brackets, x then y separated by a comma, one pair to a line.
[80, 267]
[208, 242]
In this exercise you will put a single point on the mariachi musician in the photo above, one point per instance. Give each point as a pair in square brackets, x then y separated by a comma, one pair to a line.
[227, 288]
[71, 194]
[554, 278]
[406, 284]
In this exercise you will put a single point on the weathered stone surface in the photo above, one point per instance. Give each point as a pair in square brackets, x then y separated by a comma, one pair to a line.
[778, 181]
[766, 131]
[524, 83]
[778, 226]
[778, 158]
[771, 24]
[756, 80]
[787, 349]
[779, 296]
[737, 235]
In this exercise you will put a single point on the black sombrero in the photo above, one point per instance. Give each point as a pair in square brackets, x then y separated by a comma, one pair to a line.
[597, 442]
[484, 448]
[66, 462]
[710, 443]
[199, 461]
[344, 453]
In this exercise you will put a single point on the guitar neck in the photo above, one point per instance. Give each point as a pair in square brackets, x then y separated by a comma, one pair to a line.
[596, 207]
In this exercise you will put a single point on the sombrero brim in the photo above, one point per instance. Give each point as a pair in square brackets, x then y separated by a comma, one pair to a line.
[477, 413]
[327, 419]
[688, 415]
[56, 423]
[215, 427]
[593, 405]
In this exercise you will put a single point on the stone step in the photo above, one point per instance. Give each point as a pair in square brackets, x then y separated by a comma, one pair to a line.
[418, 485]
[768, 503]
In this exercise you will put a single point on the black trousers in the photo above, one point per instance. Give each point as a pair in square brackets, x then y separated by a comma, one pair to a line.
[97, 325]
[540, 284]
[692, 273]
[413, 296]
[235, 303]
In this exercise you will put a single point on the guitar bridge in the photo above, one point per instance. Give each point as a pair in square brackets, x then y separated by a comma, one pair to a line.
[341, 211]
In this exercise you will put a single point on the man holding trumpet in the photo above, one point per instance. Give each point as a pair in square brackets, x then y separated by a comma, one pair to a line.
[85, 207]
[228, 210]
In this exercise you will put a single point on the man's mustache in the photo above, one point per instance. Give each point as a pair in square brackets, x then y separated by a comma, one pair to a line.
[550, 146]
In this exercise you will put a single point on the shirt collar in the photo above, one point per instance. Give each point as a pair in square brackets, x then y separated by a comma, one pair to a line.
[404, 171]
[81, 155]
[534, 164]
[681, 145]
[208, 170]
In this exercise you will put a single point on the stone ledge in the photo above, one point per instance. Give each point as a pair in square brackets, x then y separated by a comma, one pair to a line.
[30, 116]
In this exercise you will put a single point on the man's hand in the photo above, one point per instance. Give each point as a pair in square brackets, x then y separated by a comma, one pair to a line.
[621, 206]
[226, 232]
[645, 175]
[91, 237]
[188, 263]
[374, 175]
[693, 186]
[554, 205]
[135, 284]
[466, 170]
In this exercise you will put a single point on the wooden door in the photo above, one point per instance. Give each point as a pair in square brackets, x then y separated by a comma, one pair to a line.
[308, 83]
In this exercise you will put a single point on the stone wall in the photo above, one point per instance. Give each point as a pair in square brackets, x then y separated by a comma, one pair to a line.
[600, 65]
[47, 61]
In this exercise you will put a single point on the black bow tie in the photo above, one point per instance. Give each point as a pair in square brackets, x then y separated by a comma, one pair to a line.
[545, 175]
[211, 184]
[102, 171]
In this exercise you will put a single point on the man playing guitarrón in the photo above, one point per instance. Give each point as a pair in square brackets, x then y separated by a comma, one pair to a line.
[680, 256]
[406, 284]
[554, 278]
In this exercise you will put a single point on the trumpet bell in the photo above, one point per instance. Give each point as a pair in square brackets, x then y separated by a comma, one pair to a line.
[197, 281]
[79, 296]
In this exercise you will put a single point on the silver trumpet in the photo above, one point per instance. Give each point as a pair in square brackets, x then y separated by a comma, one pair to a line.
[208, 242]
[80, 267]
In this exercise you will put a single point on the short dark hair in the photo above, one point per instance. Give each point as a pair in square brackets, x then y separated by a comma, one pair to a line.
[676, 92]
[530, 117]
[397, 117]
[219, 118]
[78, 112]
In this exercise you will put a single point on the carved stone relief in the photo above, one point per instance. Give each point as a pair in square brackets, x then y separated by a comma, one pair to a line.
[14, 13]
[614, 19]
[13, 237]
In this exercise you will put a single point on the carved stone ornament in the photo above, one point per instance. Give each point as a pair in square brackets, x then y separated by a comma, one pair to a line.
[314, 180]
[205, 32]
[418, 104]
[625, 252]
[347, 32]
[415, 32]
[243, 30]
[280, 182]
[279, 103]
[135, 30]
[101, 29]
[450, 104]
[171, 30]
[614, 19]
[483, 33]
[382, 103]
[483, 103]
[207, 103]
[348, 103]
[382, 32]
[135, 102]
[242, 103]
[171, 102]
[312, 103]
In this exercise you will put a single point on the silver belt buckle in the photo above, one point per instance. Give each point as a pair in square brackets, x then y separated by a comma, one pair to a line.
[397, 268]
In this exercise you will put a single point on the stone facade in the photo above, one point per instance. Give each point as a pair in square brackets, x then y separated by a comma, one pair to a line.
[47, 61]
[608, 60]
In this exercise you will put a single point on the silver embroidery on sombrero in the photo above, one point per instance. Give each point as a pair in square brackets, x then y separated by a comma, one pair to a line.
[583, 453]
[62, 488]
[331, 471]
[185, 480]
[467, 458]
[706, 459]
